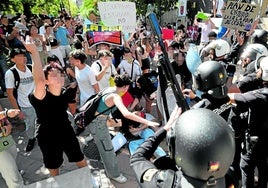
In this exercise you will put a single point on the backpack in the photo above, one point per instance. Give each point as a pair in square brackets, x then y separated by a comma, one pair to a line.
[17, 79]
[86, 113]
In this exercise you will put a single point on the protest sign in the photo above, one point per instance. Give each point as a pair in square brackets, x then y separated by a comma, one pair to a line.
[240, 15]
[108, 37]
[167, 34]
[182, 4]
[118, 13]
[95, 27]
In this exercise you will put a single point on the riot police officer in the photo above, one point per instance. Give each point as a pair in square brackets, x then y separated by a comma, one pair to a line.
[201, 146]
[255, 151]
[211, 78]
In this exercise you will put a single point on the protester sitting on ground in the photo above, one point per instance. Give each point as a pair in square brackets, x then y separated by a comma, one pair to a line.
[137, 133]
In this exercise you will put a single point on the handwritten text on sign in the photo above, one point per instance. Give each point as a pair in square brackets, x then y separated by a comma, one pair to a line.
[239, 15]
[118, 13]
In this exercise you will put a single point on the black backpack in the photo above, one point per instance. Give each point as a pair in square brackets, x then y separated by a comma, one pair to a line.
[17, 79]
[86, 113]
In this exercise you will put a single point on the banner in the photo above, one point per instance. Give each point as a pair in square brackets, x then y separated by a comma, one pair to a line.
[95, 27]
[240, 15]
[108, 37]
[168, 34]
[182, 6]
[118, 13]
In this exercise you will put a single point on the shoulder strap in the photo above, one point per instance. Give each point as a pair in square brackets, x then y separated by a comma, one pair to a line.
[103, 94]
[99, 65]
[132, 68]
[16, 77]
[30, 67]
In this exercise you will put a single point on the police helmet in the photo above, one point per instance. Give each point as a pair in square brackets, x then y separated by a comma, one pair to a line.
[204, 146]
[220, 46]
[254, 51]
[264, 67]
[211, 77]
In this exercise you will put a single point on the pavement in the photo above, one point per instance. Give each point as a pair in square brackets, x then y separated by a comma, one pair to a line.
[37, 176]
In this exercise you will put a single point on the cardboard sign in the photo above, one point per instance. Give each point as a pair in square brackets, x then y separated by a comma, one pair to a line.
[109, 37]
[240, 15]
[118, 13]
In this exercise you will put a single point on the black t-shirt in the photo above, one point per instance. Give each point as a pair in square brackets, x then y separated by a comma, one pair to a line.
[51, 111]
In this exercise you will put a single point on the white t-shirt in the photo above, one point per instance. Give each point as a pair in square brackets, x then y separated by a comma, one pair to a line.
[126, 67]
[98, 67]
[85, 79]
[26, 85]
[205, 29]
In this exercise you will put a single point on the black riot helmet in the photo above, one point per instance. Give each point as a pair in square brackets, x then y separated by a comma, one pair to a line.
[211, 77]
[204, 147]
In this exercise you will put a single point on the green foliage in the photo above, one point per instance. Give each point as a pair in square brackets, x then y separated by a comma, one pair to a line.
[29, 7]
[88, 6]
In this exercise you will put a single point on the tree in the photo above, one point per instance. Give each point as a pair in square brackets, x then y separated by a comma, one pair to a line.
[29, 7]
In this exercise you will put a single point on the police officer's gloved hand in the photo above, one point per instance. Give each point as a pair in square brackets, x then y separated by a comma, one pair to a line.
[230, 69]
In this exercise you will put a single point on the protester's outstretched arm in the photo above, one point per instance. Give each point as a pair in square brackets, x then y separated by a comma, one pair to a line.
[173, 117]
[37, 69]
[129, 115]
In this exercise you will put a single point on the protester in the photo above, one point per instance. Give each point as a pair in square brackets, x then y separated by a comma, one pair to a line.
[55, 134]
[8, 150]
[18, 97]
[98, 127]
[104, 69]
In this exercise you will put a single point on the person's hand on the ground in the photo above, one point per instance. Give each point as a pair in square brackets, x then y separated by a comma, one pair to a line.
[173, 117]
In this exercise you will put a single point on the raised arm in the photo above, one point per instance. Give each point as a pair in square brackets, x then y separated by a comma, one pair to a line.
[37, 69]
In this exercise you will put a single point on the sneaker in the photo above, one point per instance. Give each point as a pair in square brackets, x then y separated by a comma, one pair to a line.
[30, 145]
[120, 179]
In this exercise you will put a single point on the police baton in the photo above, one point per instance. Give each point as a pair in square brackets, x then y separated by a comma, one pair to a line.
[166, 65]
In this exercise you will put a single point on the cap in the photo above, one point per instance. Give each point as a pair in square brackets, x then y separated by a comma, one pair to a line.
[17, 51]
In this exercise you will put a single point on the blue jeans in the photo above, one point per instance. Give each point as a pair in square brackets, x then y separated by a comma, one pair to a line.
[30, 121]
[146, 133]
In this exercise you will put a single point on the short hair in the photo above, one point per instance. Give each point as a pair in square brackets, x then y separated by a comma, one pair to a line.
[48, 68]
[104, 53]
[212, 34]
[52, 58]
[126, 50]
[122, 80]
[78, 54]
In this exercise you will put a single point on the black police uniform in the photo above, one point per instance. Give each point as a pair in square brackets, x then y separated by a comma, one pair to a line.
[164, 173]
[254, 152]
[147, 173]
